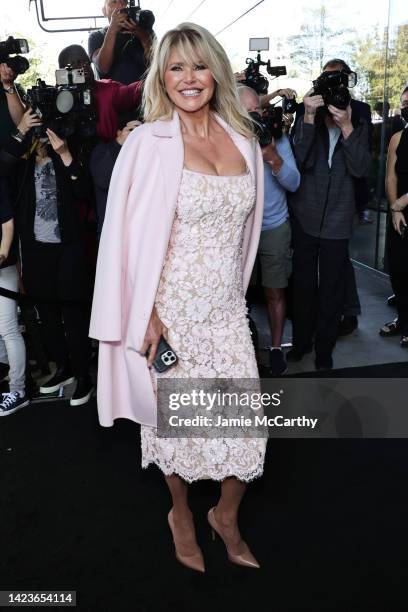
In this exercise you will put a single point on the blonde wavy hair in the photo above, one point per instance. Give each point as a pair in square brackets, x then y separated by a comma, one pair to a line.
[195, 45]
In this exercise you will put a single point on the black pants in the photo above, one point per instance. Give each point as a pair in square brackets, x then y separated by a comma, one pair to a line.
[352, 306]
[57, 277]
[319, 269]
[397, 250]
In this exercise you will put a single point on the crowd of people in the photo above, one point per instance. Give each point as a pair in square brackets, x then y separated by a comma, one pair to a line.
[160, 217]
[54, 193]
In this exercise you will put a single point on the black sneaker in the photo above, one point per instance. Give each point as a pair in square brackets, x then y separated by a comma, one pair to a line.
[277, 362]
[324, 363]
[296, 355]
[347, 325]
[83, 392]
[61, 378]
[11, 402]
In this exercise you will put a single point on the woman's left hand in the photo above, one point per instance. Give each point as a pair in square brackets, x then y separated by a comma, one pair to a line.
[60, 147]
[3, 256]
[398, 206]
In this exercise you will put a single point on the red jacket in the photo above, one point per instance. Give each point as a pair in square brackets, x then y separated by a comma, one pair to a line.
[112, 98]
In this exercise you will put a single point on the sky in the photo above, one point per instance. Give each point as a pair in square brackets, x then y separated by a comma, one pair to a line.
[276, 20]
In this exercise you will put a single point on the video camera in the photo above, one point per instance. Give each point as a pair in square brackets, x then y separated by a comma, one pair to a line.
[269, 125]
[66, 108]
[253, 78]
[11, 46]
[144, 19]
[334, 86]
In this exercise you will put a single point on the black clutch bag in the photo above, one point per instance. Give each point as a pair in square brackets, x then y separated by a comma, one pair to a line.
[165, 356]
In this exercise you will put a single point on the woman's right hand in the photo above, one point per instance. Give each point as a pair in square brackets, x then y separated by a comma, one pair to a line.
[398, 219]
[155, 329]
[30, 119]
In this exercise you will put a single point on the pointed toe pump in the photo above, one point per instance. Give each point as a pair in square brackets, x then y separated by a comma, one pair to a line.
[194, 561]
[246, 558]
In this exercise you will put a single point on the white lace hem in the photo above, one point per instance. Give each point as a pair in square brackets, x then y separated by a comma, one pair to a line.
[205, 474]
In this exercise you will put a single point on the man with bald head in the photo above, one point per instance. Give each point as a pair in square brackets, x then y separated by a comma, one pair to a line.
[111, 98]
[281, 175]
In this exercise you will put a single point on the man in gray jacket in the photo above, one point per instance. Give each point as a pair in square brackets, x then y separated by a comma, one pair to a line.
[331, 150]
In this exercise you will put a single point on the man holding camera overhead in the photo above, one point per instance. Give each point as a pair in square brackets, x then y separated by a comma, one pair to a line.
[120, 51]
[331, 147]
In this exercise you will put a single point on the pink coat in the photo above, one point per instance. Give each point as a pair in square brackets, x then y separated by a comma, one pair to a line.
[139, 216]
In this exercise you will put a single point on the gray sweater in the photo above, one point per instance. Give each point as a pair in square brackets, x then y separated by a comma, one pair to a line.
[324, 204]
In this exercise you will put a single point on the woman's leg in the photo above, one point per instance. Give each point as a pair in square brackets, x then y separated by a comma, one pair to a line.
[226, 513]
[10, 333]
[184, 536]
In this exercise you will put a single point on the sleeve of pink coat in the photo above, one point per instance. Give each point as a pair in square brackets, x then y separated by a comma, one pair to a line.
[253, 226]
[106, 317]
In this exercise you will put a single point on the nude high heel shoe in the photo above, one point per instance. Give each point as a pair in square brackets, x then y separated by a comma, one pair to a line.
[196, 561]
[246, 558]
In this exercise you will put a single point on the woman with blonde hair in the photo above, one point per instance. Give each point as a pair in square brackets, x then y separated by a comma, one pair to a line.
[178, 245]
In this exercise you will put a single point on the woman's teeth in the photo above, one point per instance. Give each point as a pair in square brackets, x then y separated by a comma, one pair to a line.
[191, 92]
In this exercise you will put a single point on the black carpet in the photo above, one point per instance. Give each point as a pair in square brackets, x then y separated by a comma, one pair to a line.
[327, 522]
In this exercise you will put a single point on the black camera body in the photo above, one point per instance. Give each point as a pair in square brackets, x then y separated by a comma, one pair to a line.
[289, 106]
[269, 125]
[145, 19]
[333, 86]
[13, 46]
[255, 80]
[66, 108]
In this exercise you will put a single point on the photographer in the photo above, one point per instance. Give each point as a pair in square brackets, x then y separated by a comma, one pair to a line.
[11, 107]
[280, 175]
[111, 98]
[102, 161]
[360, 110]
[121, 50]
[52, 181]
[332, 149]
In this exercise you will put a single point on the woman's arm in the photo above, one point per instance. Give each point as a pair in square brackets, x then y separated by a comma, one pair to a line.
[14, 103]
[7, 234]
[391, 182]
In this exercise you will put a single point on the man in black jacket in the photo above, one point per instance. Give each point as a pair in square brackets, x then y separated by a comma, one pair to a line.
[332, 149]
[360, 110]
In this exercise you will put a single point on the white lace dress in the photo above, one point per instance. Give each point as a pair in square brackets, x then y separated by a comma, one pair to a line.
[201, 301]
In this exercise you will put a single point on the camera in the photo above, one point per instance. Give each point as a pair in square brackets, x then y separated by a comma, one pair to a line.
[12, 46]
[334, 86]
[66, 108]
[144, 19]
[289, 106]
[269, 125]
[255, 80]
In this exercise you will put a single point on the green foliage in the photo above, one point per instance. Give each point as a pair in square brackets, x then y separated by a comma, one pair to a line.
[38, 69]
[369, 60]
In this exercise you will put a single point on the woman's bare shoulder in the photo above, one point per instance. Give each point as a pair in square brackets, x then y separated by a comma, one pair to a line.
[395, 140]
